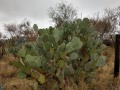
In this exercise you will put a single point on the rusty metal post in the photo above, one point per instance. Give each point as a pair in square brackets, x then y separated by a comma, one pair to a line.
[117, 57]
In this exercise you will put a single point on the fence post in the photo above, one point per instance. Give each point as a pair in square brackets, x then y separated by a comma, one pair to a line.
[117, 52]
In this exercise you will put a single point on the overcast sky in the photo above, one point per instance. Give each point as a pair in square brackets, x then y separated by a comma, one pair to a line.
[36, 11]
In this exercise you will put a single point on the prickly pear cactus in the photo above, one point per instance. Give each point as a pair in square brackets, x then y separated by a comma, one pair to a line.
[62, 52]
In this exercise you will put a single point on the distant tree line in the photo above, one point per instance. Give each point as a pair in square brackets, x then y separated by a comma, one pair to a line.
[66, 13]
[105, 25]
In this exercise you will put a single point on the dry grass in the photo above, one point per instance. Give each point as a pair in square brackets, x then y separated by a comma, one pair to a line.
[8, 77]
[6, 70]
[18, 84]
[103, 79]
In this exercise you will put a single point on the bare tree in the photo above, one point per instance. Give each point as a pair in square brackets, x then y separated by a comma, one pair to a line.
[62, 13]
[0, 35]
[11, 29]
[19, 32]
[103, 26]
[108, 24]
[16, 30]
[113, 15]
[2, 46]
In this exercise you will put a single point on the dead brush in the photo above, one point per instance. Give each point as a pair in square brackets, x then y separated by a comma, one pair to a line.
[104, 78]
[6, 70]
[18, 84]
[8, 77]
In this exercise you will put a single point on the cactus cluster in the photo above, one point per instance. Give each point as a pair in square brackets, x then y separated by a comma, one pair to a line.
[61, 52]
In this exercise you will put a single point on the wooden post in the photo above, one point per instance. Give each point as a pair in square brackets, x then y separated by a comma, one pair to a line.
[117, 51]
